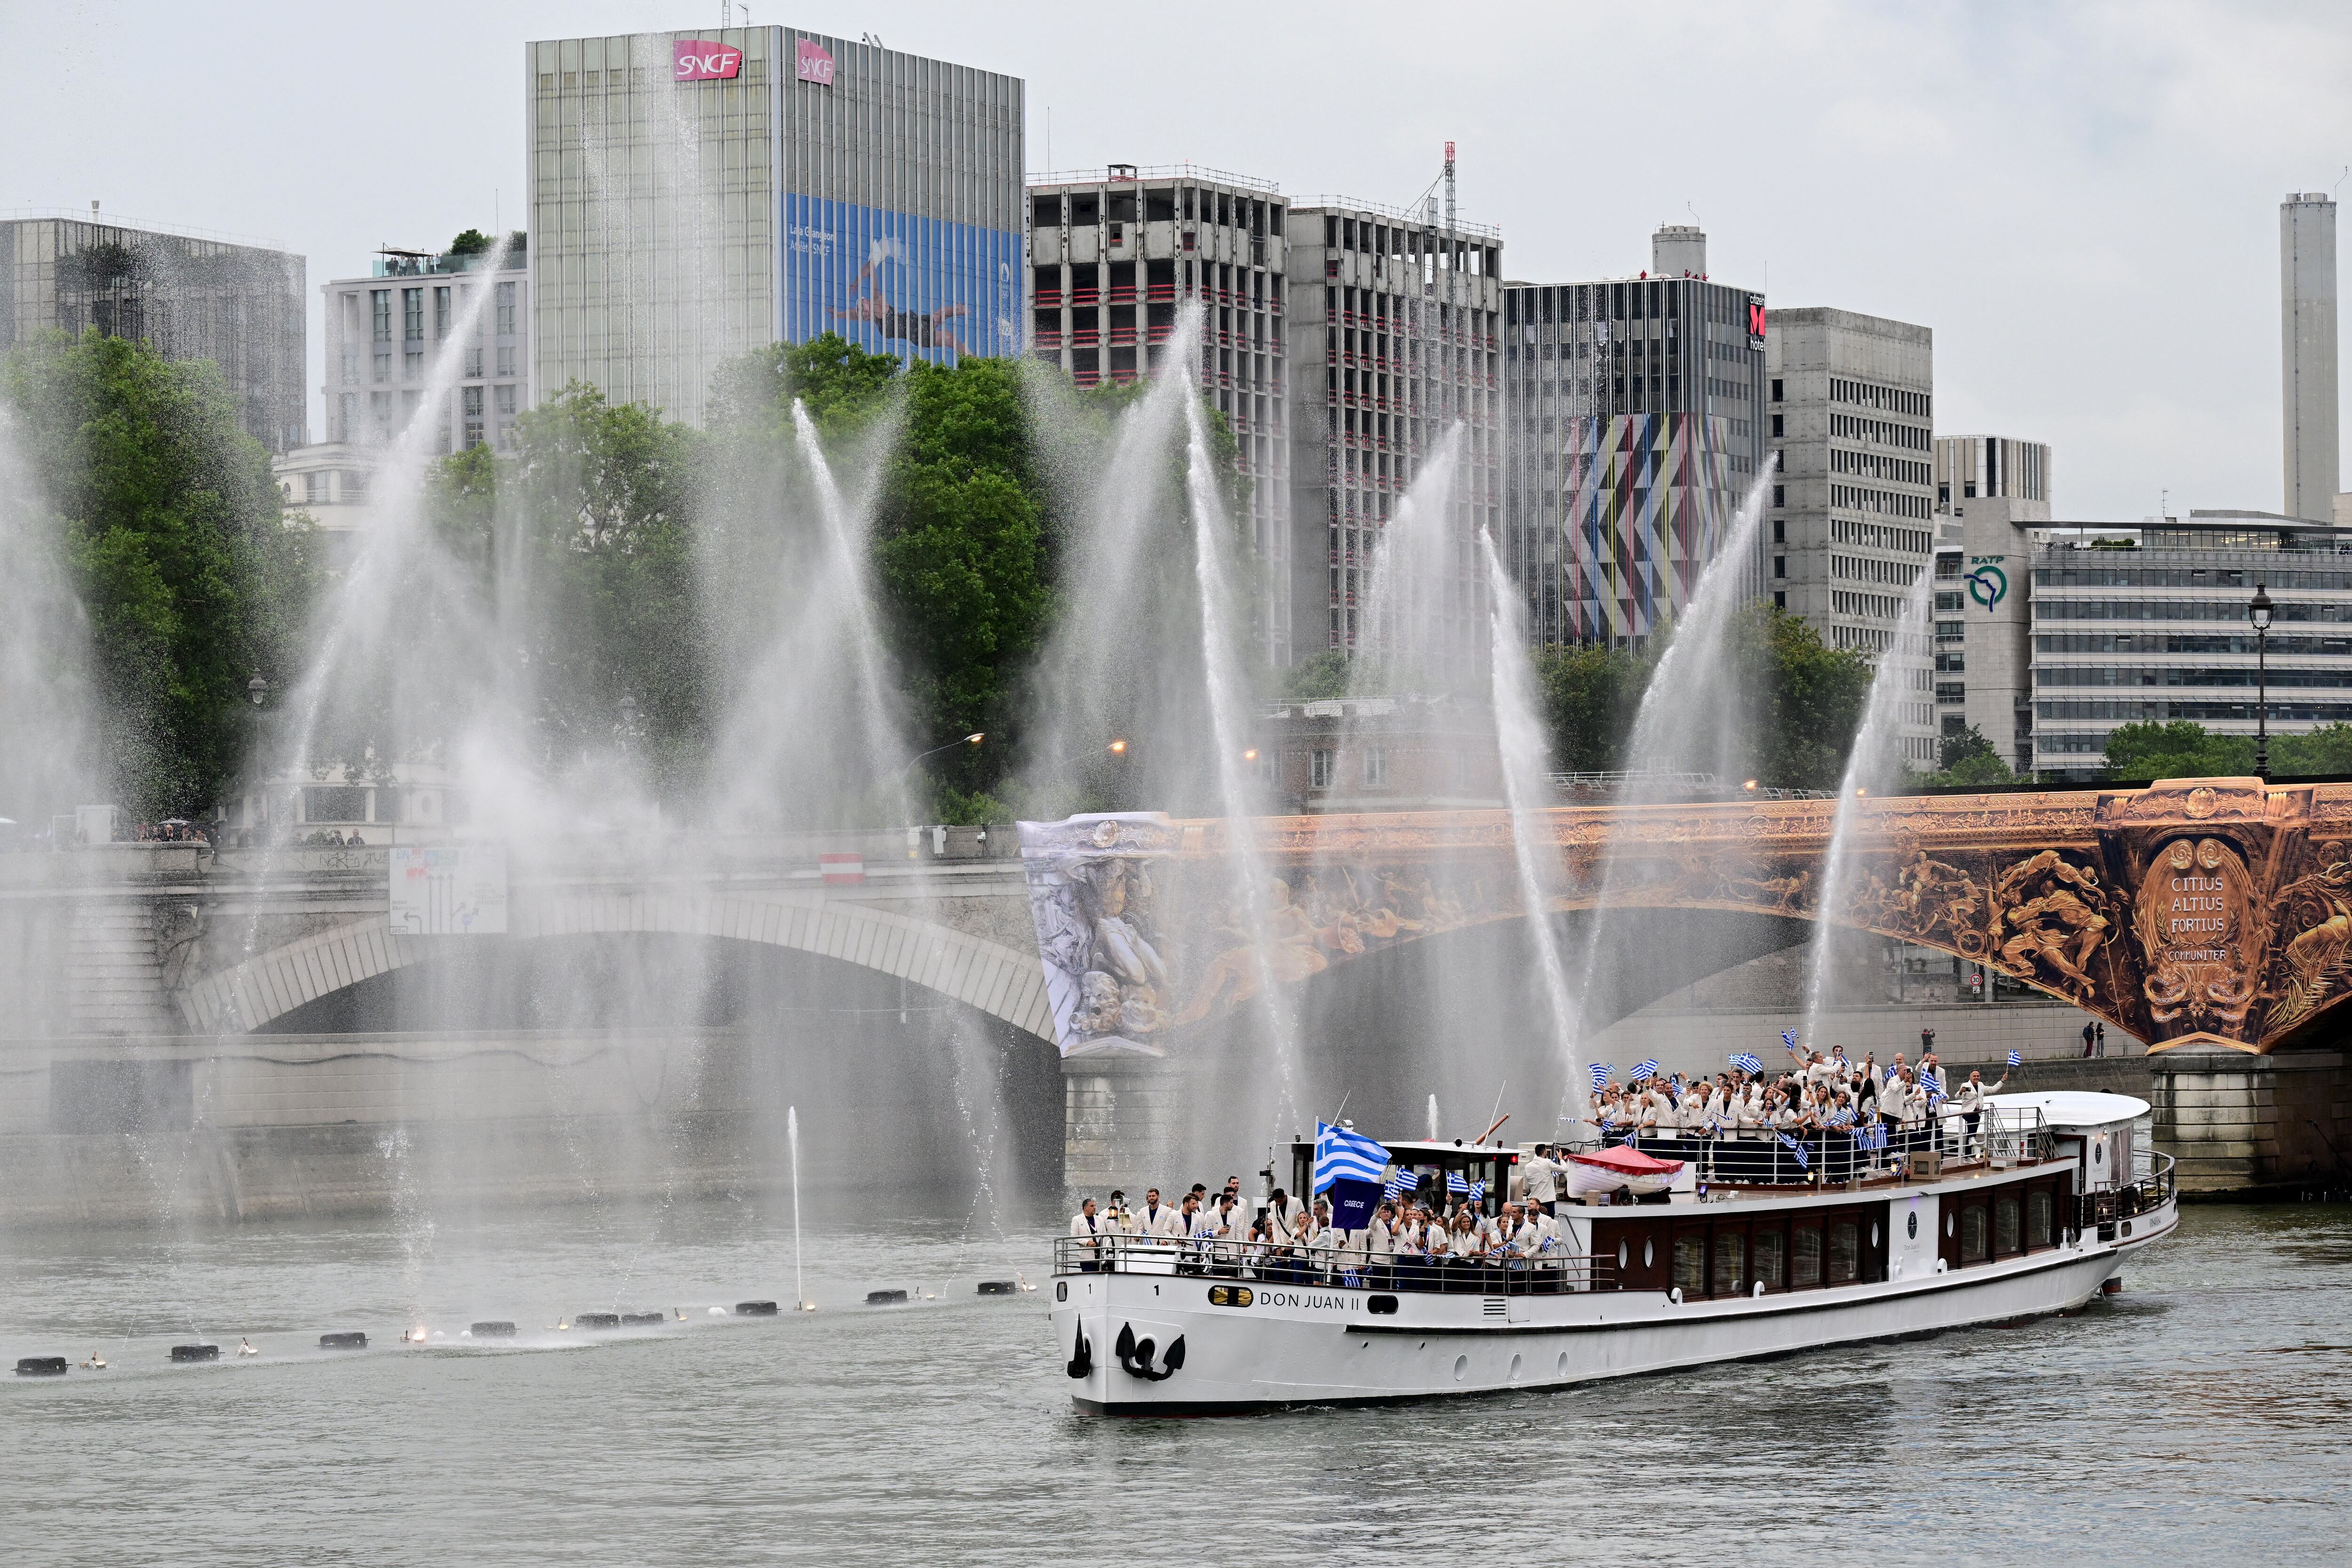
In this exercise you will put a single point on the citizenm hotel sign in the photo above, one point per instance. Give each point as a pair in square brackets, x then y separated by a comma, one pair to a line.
[697, 59]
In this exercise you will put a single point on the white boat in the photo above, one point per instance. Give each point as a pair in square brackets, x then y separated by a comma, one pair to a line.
[1749, 1255]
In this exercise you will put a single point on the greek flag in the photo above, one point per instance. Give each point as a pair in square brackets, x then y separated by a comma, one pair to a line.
[1344, 1155]
[1402, 1182]
[1645, 1071]
[1804, 1161]
[1933, 1082]
[1456, 1182]
[1600, 1071]
[1789, 1038]
[1477, 1192]
[2016, 1058]
[1873, 1136]
[1746, 1062]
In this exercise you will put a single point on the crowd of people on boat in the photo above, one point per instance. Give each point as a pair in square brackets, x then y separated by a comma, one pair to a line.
[1446, 1240]
[1819, 1107]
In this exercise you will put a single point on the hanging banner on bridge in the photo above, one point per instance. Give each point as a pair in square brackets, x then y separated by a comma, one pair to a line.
[449, 890]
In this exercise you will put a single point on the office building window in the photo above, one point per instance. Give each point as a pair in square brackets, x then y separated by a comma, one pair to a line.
[314, 487]
[412, 365]
[1376, 768]
[1318, 769]
[412, 315]
[507, 400]
[380, 302]
[383, 364]
[472, 360]
[350, 367]
[506, 307]
[1779, 566]
[441, 310]
[505, 360]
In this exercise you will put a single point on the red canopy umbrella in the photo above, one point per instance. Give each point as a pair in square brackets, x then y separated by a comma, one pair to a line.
[1628, 1161]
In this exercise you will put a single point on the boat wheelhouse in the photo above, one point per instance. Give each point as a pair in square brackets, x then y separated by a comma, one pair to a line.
[2031, 1211]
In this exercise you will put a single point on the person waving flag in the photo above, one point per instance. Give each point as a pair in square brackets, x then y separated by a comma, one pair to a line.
[1645, 1071]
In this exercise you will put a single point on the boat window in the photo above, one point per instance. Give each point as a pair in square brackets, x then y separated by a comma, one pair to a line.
[1845, 1252]
[2037, 1219]
[1730, 1260]
[1768, 1247]
[1972, 1234]
[2007, 1224]
[1690, 1264]
[1624, 1255]
[1804, 1258]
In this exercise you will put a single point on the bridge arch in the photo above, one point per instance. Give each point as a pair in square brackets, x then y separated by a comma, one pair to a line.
[984, 974]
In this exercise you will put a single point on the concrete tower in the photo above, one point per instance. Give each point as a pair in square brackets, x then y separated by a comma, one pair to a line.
[2308, 353]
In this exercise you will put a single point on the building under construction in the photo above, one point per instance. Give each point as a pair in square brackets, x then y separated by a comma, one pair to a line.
[189, 297]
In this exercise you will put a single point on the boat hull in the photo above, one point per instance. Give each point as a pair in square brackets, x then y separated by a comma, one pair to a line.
[1298, 1345]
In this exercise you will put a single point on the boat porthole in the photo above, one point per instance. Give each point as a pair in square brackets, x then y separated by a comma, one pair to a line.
[1561, 1369]
[1515, 1369]
[1622, 1256]
[1911, 1225]
[1648, 1257]
[2128, 1225]
[1461, 1368]
[1061, 1289]
[1874, 1233]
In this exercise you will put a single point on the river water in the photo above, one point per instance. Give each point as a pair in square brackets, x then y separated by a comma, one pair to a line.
[2202, 1413]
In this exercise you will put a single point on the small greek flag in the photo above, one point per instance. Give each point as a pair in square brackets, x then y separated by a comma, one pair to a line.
[1477, 1192]
[1645, 1071]
[1402, 1182]
[2016, 1058]
[1804, 1161]
[1841, 1117]
[1746, 1062]
[1456, 1182]
[1342, 1154]
[1600, 1071]
[1873, 1136]
[1789, 1038]
[1933, 1082]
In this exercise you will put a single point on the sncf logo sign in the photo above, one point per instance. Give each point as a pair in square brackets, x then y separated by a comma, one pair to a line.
[1756, 320]
[814, 64]
[697, 60]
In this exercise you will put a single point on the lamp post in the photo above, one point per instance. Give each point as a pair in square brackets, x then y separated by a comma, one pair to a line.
[972, 740]
[2259, 612]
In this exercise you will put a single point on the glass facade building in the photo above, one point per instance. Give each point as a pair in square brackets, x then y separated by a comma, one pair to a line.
[190, 296]
[1633, 416]
[2150, 624]
[699, 195]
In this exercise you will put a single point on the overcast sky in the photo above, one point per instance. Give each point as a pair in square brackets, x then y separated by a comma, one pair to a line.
[2082, 201]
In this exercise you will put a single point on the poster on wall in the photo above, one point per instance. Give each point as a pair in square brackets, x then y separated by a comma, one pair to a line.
[452, 891]
[914, 288]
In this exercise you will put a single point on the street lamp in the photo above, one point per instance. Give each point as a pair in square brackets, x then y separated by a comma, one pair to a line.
[628, 714]
[2259, 612]
[972, 740]
[258, 689]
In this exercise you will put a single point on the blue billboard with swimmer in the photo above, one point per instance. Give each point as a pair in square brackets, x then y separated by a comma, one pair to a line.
[914, 288]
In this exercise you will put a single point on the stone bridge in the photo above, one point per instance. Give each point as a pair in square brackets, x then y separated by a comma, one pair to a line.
[2213, 916]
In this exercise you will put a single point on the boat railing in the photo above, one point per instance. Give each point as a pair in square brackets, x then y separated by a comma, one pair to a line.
[2104, 1207]
[2002, 1136]
[1552, 1273]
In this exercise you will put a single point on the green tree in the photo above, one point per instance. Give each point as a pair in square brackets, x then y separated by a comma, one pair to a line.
[1968, 760]
[1318, 679]
[1591, 695]
[2324, 753]
[1808, 698]
[472, 242]
[191, 577]
[2145, 751]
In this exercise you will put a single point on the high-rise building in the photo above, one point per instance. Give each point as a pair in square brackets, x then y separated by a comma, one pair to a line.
[2150, 622]
[387, 334]
[1991, 490]
[1635, 427]
[189, 295]
[697, 195]
[1393, 324]
[1114, 253]
[2307, 353]
[1853, 514]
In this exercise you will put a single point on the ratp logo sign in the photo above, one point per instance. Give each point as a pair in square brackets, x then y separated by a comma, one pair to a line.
[1987, 584]
[814, 63]
[697, 59]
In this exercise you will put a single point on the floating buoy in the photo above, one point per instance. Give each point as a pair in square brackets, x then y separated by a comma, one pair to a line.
[597, 1321]
[195, 1352]
[41, 1366]
[350, 1341]
[996, 1288]
[755, 1309]
[718, 1311]
[496, 1329]
[885, 1297]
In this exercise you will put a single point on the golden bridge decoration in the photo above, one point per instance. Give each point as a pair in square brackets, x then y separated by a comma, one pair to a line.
[2212, 911]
